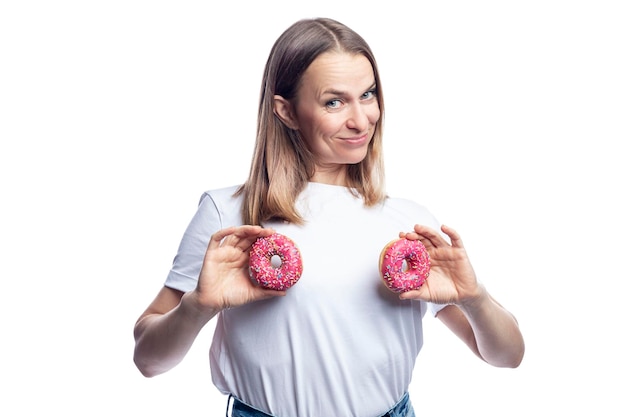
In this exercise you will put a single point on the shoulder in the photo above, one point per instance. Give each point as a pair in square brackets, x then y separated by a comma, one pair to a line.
[418, 213]
[403, 203]
[224, 203]
[225, 195]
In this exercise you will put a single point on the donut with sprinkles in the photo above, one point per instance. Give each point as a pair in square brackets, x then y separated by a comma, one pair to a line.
[275, 262]
[404, 265]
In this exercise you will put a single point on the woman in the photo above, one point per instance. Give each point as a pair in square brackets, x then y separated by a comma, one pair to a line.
[338, 342]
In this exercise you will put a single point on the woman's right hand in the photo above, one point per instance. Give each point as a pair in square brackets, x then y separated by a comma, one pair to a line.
[224, 280]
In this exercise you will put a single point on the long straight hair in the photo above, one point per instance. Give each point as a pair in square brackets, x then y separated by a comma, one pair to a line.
[282, 164]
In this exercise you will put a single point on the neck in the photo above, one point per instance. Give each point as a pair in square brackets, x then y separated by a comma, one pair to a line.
[330, 177]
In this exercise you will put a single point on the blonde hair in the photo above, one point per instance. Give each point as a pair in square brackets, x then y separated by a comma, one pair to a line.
[282, 164]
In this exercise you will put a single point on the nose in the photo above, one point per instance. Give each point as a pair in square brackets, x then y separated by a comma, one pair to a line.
[358, 119]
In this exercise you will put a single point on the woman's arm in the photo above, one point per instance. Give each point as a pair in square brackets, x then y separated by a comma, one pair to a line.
[165, 332]
[488, 329]
[472, 314]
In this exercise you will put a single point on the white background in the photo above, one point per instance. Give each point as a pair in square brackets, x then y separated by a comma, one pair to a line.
[506, 119]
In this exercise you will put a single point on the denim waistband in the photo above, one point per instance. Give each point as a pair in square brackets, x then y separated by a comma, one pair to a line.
[403, 408]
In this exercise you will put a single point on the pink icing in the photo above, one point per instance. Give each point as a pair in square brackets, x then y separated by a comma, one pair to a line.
[417, 265]
[261, 269]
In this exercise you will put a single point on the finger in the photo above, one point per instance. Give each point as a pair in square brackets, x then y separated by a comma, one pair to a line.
[264, 293]
[245, 236]
[217, 237]
[414, 236]
[455, 238]
[411, 295]
[434, 237]
[408, 235]
[253, 231]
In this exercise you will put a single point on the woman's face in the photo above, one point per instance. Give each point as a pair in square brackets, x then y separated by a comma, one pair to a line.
[336, 109]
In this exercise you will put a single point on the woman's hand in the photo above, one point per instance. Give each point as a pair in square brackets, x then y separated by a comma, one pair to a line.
[452, 279]
[476, 318]
[224, 280]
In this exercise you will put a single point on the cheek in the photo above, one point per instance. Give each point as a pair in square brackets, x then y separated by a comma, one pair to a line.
[373, 114]
[327, 126]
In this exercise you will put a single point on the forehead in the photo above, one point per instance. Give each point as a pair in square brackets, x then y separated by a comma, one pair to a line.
[339, 71]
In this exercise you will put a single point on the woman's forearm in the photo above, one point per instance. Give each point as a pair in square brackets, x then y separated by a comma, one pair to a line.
[163, 340]
[498, 339]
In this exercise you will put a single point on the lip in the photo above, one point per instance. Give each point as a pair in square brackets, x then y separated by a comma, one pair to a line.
[357, 140]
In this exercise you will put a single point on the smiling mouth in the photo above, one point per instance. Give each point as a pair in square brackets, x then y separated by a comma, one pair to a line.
[356, 140]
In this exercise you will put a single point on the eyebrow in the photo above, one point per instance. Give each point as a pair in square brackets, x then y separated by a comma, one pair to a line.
[341, 93]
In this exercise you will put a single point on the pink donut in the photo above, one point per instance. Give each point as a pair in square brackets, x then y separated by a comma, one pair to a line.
[279, 277]
[401, 277]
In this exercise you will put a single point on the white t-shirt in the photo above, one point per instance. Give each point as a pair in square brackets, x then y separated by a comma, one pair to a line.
[339, 343]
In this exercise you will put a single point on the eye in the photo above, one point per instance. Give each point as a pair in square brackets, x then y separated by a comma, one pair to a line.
[333, 104]
[368, 95]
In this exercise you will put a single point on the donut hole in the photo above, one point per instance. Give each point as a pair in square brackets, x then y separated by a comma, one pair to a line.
[276, 261]
[405, 265]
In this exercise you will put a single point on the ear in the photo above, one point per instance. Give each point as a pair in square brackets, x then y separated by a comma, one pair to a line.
[284, 110]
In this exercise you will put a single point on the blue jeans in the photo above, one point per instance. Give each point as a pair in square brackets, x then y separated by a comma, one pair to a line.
[402, 409]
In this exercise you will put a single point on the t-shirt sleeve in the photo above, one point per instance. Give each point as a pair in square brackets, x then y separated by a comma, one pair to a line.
[183, 275]
[436, 308]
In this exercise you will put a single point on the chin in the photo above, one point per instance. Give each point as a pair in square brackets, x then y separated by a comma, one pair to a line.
[356, 159]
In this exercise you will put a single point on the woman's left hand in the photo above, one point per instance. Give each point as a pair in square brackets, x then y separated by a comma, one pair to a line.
[452, 279]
